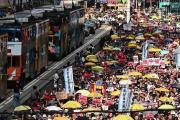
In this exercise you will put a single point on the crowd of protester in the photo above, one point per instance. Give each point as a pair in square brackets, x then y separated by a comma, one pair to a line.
[144, 93]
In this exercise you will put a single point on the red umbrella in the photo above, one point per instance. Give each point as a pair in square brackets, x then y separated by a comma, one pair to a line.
[86, 75]
[107, 68]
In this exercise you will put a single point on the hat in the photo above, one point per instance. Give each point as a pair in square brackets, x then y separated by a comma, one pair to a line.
[93, 118]
[34, 116]
[44, 115]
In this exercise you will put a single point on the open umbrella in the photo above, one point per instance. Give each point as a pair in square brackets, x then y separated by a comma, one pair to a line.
[72, 104]
[162, 89]
[166, 99]
[89, 64]
[166, 107]
[93, 60]
[95, 95]
[164, 52]
[90, 56]
[22, 108]
[137, 107]
[135, 73]
[97, 68]
[148, 34]
[124, 82]
[140, 37]
[114, 61]
[116, 49]
[89, 109]
[107, 49]
[83, 92]
[60, 118]
[53, 108]
[132, 46]
[114, 93]
[123, 117]
[122, 76]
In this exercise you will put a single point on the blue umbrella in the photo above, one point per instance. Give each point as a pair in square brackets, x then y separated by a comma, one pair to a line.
[164, 52]
[139, 34]
[151, 42]
[168, 40]
[158, 31]
[176, 85]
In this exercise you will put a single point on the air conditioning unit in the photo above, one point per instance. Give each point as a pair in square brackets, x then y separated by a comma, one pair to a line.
[22, 20]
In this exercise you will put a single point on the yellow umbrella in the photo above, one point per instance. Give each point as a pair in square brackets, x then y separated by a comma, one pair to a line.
[166, 62]
[132, 46]
[89, 109]
[116, 93]
[137, 107]
[135, 73]
[107, 48]
[162, 89]
[139, 37]
[124, 82]
[90, 56]
[166, 107]
[154, 50]
[166, 99]
[141, 21]
[109, 63]
[148, 34]
[72, 104]
[95, 95]
[116, 49]
[122, 76]
[123, 117]
[22, 108]
[60, 118]
[130, 38]
[123, 36]
[110, 46]
[154, 33]
[83, 92]
[151, 76]
[89, 64]
[114, 61]
[93, 60]
[153, 38]
[97, 68]
[114, 36]
[139, 53]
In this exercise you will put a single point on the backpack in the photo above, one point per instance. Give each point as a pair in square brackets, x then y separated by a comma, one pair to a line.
[33, 95]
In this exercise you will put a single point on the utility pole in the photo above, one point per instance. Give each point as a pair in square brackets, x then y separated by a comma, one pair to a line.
[150, 6]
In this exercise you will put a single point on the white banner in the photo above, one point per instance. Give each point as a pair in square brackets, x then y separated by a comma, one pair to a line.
[68, 78]
[145, 50]
[123, 98]
[135, 59]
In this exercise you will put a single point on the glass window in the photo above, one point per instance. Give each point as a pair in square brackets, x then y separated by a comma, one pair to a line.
[15, 61]
[56, 41]
[9, 62]
[18, 36]
[10, 36]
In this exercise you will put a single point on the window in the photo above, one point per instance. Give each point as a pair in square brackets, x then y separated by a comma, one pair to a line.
[56, 41]
[15, 61]
[9, 62]
[10, 36]
[18, 36]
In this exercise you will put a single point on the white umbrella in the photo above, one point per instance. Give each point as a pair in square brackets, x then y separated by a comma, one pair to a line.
[124, 82]
[54, 108]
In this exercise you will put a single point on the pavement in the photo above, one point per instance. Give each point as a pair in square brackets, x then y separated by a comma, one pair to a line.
[46, 77]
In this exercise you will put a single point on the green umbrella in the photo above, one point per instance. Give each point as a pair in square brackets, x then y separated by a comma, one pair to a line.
[97, 68]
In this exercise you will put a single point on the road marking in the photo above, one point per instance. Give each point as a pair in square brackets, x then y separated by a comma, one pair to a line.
[9, 99]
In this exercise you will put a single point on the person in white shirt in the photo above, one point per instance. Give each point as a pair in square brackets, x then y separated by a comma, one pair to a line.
[55, 78]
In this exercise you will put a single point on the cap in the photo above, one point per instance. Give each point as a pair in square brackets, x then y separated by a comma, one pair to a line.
[44, 115]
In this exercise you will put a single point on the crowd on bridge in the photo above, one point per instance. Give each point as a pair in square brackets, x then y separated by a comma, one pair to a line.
[143, 56]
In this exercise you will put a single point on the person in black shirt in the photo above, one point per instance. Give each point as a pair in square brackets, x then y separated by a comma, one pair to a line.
[16, 91]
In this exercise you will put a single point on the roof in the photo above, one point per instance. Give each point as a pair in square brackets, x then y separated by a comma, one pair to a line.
[16, 25]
